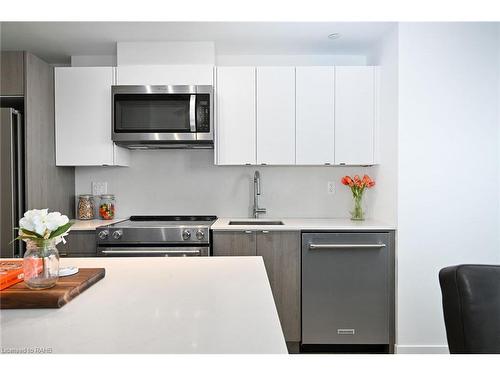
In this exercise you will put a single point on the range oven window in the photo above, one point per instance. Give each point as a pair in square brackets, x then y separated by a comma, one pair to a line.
[157, 113]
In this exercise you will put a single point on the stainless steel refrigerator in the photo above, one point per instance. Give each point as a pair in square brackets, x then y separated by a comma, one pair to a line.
[12, 192]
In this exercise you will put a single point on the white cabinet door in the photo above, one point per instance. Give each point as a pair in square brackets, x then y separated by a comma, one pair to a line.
[276, 115]
[315, 108]
[235, 115]
[354, 115]
[83, 116]
[164, 75]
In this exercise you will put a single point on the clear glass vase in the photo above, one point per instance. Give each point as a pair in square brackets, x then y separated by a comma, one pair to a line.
[41, 264]
[358, 212]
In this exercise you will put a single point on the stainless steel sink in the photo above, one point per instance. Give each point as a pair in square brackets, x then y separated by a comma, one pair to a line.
[255, 222]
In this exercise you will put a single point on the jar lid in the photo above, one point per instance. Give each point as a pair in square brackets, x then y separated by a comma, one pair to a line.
[107, 196]
[86, 196]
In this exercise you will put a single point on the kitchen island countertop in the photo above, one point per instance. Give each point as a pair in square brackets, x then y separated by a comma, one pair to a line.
[157, 305]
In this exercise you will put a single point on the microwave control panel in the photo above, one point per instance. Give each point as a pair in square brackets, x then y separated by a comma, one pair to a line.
[203, 113]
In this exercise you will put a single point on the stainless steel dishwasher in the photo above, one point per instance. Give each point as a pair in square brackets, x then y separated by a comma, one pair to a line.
[348, 289]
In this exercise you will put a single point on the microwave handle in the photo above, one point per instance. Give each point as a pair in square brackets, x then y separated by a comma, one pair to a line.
[192, 113]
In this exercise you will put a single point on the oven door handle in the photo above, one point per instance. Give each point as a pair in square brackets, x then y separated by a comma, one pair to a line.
[146, 252]
[192, 113]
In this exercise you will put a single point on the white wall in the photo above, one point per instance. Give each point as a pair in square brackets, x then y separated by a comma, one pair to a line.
[165, 53]
[186, 182]
[448, 204]
[385, 55]
[279, 60]
[93, 60]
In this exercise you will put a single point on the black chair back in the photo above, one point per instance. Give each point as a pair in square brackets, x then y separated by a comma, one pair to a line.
[471, 305]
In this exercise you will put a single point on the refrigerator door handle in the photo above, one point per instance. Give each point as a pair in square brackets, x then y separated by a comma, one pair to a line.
[19, 207]
[13, 182]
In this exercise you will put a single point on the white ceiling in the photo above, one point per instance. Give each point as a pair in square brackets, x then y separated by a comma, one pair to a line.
[57, 41]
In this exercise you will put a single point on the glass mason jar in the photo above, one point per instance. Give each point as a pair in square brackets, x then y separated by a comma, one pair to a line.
[41, 264]
[107, 207]
[358, 211]
[85, 207]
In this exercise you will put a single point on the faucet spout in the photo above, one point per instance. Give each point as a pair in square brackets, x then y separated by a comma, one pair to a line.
[256, 181]
[256, 192]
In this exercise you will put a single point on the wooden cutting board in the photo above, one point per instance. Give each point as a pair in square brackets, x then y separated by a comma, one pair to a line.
[19, 296]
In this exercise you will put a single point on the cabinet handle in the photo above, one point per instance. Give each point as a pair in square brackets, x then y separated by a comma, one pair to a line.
[346, 331]
[248, 232]
[313, 246]
[265, 231]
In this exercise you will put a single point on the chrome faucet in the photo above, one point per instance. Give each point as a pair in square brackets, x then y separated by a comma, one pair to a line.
[256, 192]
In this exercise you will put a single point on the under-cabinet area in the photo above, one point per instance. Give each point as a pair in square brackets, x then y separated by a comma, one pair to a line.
[334, 291]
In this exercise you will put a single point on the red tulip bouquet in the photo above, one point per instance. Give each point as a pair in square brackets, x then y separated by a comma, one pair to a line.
[358, 186]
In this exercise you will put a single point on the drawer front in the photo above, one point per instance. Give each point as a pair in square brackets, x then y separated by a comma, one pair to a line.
[345, 288]
[235, 243]
[78, 244]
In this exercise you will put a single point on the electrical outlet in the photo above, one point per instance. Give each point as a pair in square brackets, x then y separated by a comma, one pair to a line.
[99, 188]
[331, 187]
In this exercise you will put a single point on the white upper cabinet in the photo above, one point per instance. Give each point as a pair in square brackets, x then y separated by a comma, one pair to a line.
[355, 115]
[83, 117]
[164, 75]
[310, 115]
[276, 115]
[315, 108]
[235, 102]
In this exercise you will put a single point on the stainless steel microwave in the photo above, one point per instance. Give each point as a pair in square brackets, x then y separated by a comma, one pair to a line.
[162, 116]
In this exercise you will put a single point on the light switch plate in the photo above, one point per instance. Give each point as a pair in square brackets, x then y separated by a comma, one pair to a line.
[331, 187]
[99, 188]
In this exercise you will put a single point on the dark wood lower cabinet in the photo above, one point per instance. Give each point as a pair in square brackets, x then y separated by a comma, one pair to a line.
[237, 243]
[281, 254]
[280, 251]
[79, 244]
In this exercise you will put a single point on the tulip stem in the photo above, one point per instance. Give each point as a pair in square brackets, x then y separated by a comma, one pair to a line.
[357, 213]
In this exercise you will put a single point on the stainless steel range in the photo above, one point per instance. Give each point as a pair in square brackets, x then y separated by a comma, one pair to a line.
[149, 236]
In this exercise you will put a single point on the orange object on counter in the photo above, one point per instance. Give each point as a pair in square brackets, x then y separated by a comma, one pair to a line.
[11, 272]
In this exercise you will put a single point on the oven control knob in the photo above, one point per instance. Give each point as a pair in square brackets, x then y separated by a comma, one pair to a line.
[200, 235]
[186, 235]
[103, 234]
[117, 234]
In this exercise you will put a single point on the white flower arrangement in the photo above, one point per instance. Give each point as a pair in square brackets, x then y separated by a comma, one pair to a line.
[42, 225]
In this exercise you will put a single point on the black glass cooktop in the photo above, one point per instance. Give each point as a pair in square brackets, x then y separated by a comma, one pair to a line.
[172, 218]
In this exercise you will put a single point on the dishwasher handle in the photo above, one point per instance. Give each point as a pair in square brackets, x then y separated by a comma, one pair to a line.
[313, 246]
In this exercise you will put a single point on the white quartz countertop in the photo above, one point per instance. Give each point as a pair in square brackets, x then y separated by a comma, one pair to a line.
[302, 224]
[93, 224]
[288, 224]
[157, 305]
